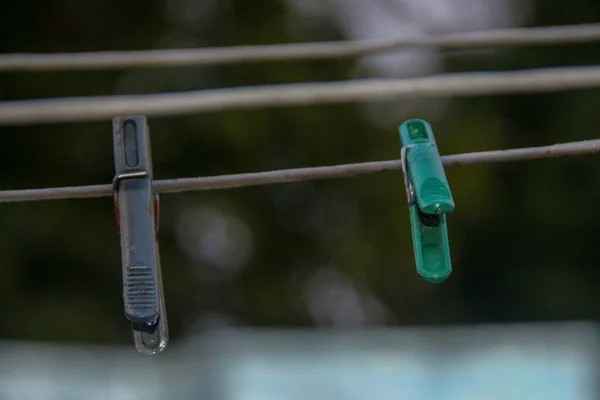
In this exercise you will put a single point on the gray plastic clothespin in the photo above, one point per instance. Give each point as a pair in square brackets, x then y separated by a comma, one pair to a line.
[136, 209]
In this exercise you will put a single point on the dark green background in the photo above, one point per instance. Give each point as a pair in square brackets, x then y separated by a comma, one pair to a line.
[523, 236]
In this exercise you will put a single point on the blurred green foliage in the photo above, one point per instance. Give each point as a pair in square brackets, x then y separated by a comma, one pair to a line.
[521, 234]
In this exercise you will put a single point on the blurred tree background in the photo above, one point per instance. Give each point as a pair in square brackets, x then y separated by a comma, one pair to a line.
[334, 253]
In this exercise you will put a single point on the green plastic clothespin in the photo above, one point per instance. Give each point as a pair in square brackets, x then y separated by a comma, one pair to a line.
[429, 199]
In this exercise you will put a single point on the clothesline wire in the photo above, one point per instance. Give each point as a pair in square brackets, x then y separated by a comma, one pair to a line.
[91, 108]
[300, 51]
[95, 108]
[304, 174]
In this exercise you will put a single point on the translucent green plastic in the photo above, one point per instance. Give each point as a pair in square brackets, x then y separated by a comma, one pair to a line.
[431, 200]
[431, 246]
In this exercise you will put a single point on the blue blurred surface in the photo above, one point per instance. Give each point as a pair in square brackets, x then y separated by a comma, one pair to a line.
[548, 361]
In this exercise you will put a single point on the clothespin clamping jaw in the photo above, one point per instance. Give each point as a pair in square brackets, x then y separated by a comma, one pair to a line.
[429, 199]
[137, 209]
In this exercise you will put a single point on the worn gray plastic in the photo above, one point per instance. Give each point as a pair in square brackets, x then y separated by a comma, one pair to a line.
[135, 205]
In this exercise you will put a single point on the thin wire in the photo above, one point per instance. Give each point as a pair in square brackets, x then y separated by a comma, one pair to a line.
[300, 51]
[304, 174]
[94, 108]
